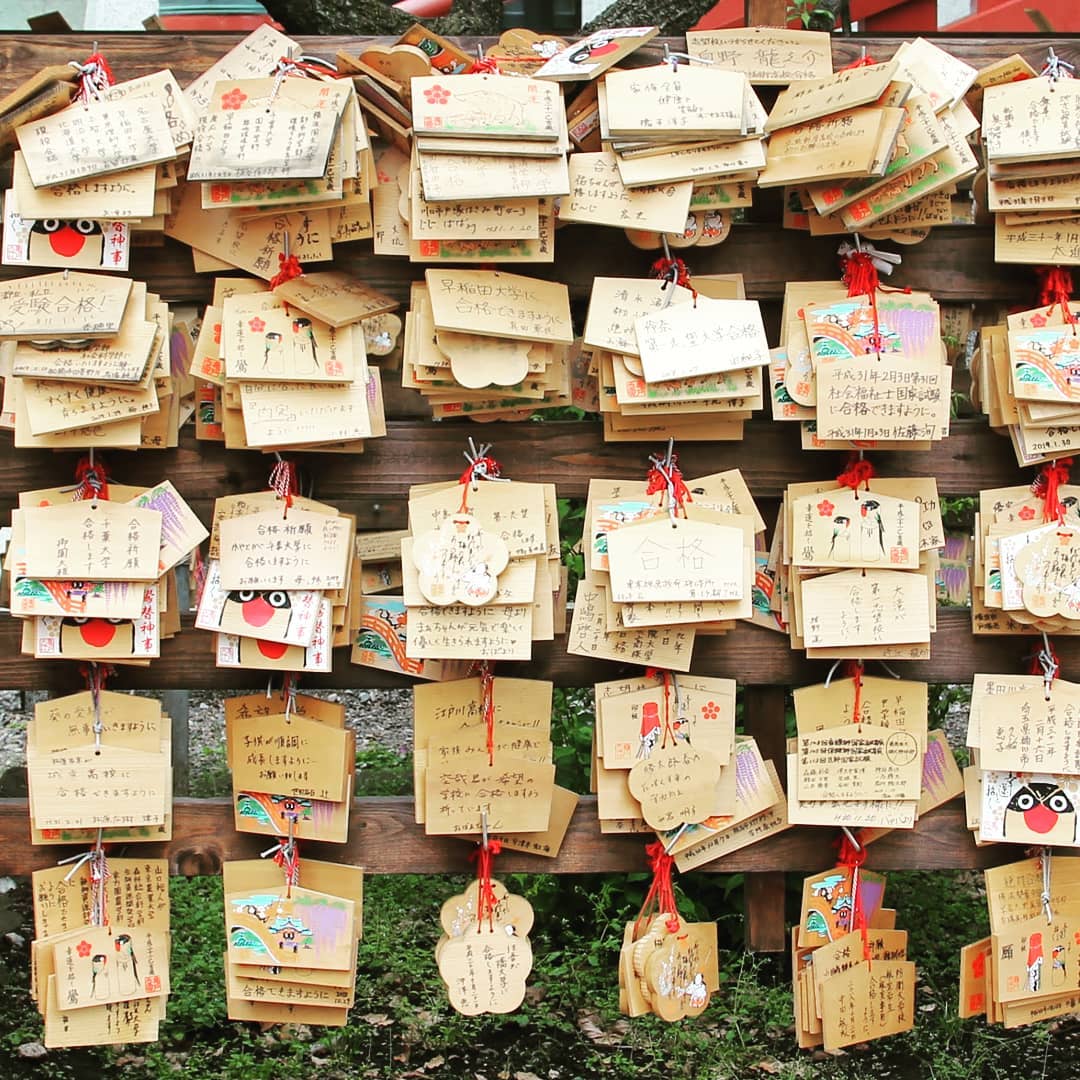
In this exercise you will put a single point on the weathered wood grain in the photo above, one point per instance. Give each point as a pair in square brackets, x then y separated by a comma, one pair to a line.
[957, 264]
[749, 654]
[384, 839]
[765, 927]
[188, 55]
[567, 453]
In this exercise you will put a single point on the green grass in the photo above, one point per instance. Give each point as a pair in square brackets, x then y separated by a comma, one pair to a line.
[570, 1025]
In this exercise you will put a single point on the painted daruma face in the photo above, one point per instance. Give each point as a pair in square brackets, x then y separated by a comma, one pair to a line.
[80, 240]
[260, 613]
[104, 637]
[1043, 810]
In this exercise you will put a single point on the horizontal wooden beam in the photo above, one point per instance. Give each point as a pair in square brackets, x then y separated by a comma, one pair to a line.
[134, 54]
[567, 453]
[957, 264]
[384, 839]
[749, 654]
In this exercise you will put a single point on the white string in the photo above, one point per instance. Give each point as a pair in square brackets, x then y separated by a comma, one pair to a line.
[1044, 857]
[1048, 664]
[663, 466]
[92, 80]
[282, 69]
[672, 57]
[883, 261]
[95, 696]
[1055, 68]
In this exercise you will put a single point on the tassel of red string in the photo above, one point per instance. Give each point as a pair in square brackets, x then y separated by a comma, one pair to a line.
[288, 268]
[96, 675]
[284, 481]
[487, 65]
[287, 857]
[97, 59]
[669, 480]
[1047, 485]
[671, 270]
[861, 277]
[661, 895]
[851, 856]
[1055, 290]
[487, 706]
[479, 468]
[197, 567]
[91, 480]
[857, 472]
[94, 76]
[486, 900]
[306, 67]
[483, 468]
[853, 669]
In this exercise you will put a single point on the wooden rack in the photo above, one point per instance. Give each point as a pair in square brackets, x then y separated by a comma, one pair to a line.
[954, 264]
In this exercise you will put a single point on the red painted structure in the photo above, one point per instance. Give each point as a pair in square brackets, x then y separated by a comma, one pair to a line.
[920, 16]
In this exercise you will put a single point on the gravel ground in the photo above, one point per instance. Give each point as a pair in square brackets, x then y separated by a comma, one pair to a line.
[379, 718]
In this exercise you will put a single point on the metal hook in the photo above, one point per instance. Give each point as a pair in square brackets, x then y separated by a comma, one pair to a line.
[474, 455]
[484, 829]
[851, 838]
[671, 275]
[832, 672]
[675, 839]
[1055, 68]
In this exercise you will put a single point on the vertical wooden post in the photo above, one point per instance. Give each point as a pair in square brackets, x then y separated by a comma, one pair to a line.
[764, 894]
[766, 12]
[177, 704]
